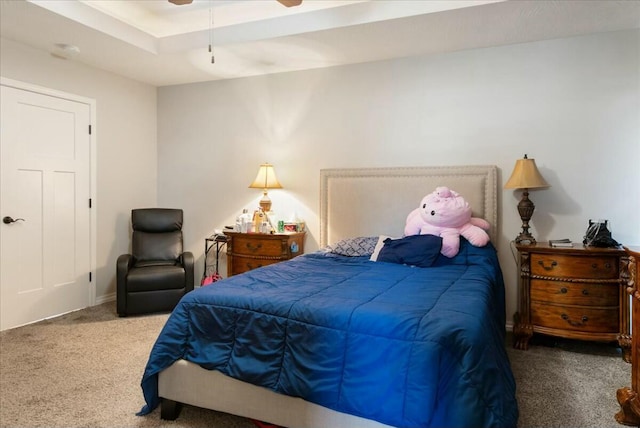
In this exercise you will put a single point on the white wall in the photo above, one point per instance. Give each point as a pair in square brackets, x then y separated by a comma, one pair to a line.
[572, 104]
[126, 143]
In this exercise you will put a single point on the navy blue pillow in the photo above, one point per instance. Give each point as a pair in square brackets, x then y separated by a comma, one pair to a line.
[414, 250]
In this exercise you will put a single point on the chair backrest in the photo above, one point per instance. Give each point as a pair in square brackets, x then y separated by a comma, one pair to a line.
[157, 234]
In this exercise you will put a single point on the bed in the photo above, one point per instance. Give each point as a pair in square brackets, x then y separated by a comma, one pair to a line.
[334, 340]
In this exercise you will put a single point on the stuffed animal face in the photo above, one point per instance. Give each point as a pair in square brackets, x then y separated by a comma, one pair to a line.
[445, 208]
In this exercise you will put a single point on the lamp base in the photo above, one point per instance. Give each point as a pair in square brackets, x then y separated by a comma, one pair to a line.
[525, 209]
[525, 238]
[265, 202]
[265, 206]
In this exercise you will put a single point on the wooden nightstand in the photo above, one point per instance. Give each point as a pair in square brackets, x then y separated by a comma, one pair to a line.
[247, 251]
[575, 293]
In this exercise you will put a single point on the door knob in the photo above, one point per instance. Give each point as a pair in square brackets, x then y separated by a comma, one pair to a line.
[9, 220]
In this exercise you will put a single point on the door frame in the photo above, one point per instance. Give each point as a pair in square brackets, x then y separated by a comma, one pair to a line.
[93, 284]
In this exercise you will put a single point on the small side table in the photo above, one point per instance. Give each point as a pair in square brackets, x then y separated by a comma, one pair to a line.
[217, 241]
[247, 251]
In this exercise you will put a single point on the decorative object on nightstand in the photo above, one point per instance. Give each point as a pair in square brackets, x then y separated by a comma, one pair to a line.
[629, 398]
[575, 293]
[526, 176]
[598, 235]
[265, 180]
[248, 251]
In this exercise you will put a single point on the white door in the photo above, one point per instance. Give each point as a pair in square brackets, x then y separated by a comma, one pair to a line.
[45, 253]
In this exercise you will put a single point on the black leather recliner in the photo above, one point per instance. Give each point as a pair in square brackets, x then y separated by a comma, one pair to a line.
[157, 273]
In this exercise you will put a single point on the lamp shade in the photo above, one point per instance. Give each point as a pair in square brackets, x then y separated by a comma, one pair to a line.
[525, 175]
[266, 178]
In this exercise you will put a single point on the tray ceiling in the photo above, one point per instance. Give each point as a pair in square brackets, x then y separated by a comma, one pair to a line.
[160, 43]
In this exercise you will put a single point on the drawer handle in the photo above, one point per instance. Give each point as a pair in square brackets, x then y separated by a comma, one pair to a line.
[563, 290]
[252, 247]
[553, 264]
[585, 292]
[574, 323]
[251, 266]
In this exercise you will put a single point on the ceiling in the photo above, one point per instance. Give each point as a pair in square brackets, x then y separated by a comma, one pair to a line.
[159, 43]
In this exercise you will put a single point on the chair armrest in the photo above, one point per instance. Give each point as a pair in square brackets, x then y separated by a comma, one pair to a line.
[188, 262]
[124, 262]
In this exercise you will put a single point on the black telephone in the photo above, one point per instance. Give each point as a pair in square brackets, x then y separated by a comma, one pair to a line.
[598, 235]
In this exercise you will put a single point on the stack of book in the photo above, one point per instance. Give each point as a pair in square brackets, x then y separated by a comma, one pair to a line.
[566, 242]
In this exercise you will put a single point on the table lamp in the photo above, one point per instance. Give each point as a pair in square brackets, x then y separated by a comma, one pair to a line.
[266, 179]
[525, 176]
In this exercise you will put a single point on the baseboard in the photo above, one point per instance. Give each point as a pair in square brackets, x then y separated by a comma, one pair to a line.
[106, 298]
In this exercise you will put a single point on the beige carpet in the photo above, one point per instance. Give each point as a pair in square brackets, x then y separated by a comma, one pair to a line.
[568, 383]
[83, 370]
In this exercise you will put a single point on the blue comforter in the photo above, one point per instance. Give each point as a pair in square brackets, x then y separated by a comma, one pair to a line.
[406, 346]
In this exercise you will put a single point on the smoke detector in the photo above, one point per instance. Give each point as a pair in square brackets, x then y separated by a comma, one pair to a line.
[65, 51]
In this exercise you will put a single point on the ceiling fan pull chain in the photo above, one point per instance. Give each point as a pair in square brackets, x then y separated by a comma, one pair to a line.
[213, 61]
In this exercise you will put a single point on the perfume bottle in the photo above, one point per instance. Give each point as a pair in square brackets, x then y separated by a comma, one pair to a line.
[258, 218]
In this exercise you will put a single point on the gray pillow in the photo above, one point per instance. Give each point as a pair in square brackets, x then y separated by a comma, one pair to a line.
[354, 247]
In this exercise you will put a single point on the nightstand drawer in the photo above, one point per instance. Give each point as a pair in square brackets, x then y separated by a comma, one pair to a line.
[575, 293]
[252, 245]
[567, 266]
[584, 319]
[245, 264]
[247, 251]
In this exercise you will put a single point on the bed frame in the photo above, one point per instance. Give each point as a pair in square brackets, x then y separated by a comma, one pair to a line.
[353, 202]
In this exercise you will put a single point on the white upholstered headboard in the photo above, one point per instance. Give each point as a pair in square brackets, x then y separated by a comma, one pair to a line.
[376, 201]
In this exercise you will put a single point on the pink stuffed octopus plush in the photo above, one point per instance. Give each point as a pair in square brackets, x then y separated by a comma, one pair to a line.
[445, 213]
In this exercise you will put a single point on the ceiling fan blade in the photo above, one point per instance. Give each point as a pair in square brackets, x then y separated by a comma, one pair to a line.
[180, 2]
[290, 3]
